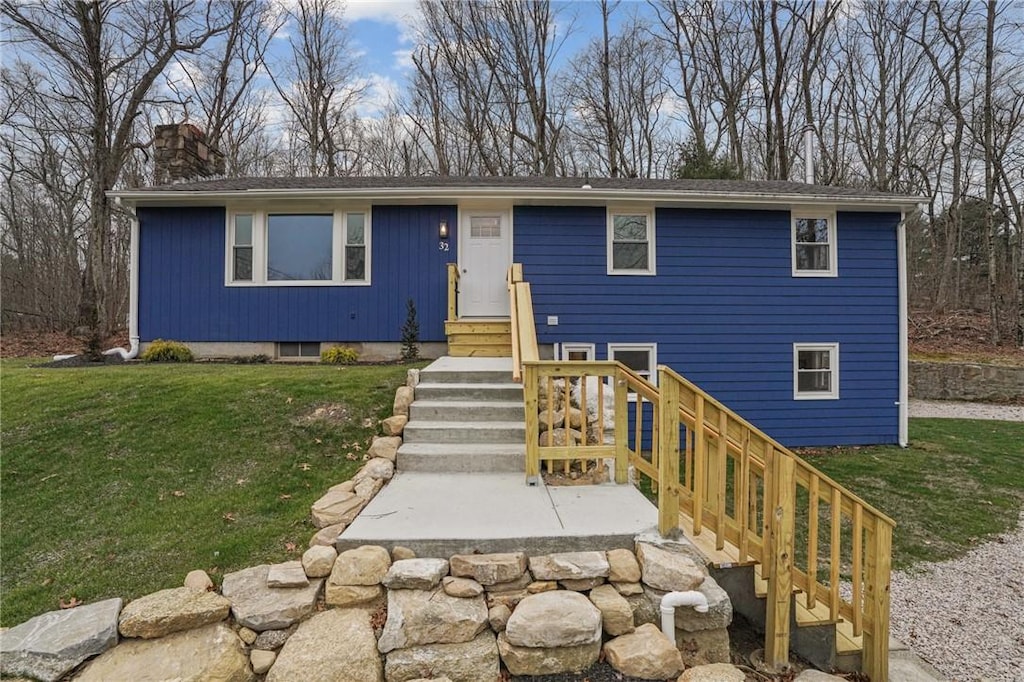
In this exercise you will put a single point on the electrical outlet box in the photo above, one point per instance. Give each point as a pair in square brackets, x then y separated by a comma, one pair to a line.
[552, 320]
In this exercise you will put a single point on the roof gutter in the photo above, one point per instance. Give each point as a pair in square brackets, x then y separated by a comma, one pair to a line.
[682, 197]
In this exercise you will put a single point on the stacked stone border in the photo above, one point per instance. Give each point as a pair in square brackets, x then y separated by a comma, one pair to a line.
[374, 615]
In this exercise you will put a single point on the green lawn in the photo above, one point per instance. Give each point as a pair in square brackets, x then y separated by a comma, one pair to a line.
[959, 483]
[116, 481]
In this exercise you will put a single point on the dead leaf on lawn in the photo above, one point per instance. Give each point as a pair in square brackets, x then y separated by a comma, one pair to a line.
[44, 479]
[289, 400]
[368, 422]
[242, 481]
[350, 456]
[71, 603]
[317, 441]
[289, 546]
[305, 466]
[178, 493]
[230, 517]
[47, 581]
[284, 496]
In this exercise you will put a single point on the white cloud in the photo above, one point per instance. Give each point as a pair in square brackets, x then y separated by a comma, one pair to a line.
[378, 92]
[403, 59]
[402, 13]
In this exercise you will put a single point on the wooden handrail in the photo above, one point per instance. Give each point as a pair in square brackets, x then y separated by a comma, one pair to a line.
[731, 479]
[453, 291]
[523, 326]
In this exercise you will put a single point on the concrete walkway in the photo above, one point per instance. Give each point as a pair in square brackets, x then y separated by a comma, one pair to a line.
[437, 515]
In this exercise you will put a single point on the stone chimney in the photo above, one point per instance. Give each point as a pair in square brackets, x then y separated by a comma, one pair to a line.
[181, 153]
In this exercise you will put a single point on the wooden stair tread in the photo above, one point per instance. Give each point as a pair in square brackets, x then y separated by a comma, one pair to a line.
[846, 642]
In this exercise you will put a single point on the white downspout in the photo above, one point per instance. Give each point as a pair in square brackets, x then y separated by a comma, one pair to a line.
[670, 601]
[904, 360]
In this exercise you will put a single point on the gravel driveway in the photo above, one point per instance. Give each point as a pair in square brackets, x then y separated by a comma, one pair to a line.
[947, 409]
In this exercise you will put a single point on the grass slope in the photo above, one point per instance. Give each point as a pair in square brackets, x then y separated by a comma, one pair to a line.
[960, 482]
[116, 481]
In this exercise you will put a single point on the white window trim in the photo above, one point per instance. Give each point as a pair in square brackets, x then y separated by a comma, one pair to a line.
[833, 349]
[833, 242]
[652, 347]
[564, 349]
[259, 246]
[613, 211]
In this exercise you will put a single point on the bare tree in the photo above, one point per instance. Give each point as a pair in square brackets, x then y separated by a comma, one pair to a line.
[318, 83]
[99, 63]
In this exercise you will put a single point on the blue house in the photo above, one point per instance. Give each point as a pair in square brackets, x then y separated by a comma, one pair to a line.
[787, 301]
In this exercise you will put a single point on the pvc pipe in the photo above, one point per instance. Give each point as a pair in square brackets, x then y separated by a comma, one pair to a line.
[670, 601]
[809, 154]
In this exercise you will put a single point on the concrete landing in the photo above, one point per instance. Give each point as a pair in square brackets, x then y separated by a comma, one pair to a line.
[437, 515]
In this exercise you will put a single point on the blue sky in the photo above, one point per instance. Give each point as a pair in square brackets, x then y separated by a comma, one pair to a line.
[382, 31]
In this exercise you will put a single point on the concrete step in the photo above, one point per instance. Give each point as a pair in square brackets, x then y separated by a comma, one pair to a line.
[469, 391]
[462, 457]
[465, 432]
[453, 376]
[441, 514]
[466, 410]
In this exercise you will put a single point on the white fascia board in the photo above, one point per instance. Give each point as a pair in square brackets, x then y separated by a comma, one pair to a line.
[534, 195]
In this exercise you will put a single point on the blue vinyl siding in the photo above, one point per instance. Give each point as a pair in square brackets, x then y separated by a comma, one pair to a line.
[725, 310]
[182, 295]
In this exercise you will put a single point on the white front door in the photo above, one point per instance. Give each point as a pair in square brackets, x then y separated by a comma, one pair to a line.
[486, 254]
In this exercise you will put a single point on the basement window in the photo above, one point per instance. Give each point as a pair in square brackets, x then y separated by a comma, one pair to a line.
[815, 371]
[642, 358]
[298, 349]
[576, 351]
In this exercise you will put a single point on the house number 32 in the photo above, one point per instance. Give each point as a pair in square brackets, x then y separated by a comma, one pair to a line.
[442, 246]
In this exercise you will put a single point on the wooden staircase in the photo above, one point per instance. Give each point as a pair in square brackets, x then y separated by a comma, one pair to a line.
[479, 338]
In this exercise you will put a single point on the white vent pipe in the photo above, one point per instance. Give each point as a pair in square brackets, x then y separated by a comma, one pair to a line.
[670, 601]
[809, 154]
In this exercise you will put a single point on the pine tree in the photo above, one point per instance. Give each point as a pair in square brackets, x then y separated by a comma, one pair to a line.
[410, 333]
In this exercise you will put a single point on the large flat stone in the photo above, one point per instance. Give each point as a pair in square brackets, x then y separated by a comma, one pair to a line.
[337, 644]
[418, 617]
[167, 611]
[213, 653]
[336, 506]
[415, 574]
[489, 569]
[554, 619]
[259, 607]
[351, 595]
[645, 653]
[666, 570]
[48, 646]
[473, 661]
[288, 574]
[521, 660]
[569, 566]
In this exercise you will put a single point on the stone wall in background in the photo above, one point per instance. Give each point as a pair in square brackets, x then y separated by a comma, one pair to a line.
[962, 381]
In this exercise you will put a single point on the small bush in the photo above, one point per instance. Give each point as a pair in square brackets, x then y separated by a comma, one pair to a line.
[410, 333]
[339, 355]
[258, 359]
[167, 351]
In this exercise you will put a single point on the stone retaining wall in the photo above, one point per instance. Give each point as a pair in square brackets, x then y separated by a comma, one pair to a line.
[962, 381]
[369, 614]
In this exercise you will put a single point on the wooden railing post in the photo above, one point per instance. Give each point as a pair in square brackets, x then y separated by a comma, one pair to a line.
[782, 508]
[531, 397]
[668, 455]
[453, 278]
[875, 655]
[621, 426]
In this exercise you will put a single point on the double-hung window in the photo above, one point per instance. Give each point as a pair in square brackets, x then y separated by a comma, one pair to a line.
[298, 248]
[815, 371]
[630, 242]
[814, 244]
